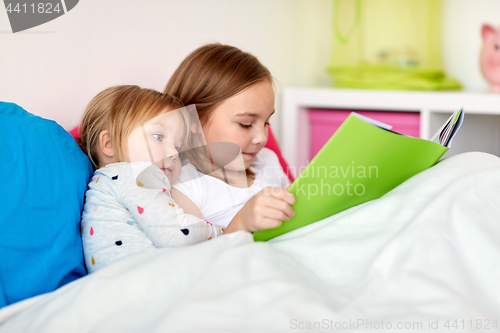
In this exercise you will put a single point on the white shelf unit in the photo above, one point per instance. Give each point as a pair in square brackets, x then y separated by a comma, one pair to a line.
[479, 132]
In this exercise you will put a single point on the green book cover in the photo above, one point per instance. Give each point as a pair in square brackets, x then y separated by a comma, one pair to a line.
[360, 162]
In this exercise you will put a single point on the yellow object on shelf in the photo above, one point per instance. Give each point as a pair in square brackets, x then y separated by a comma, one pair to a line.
[388, 44]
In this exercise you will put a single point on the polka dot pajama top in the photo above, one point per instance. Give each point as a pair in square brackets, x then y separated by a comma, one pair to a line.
[128, 210]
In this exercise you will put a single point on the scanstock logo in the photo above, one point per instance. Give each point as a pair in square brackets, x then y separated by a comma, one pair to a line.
[27, 14]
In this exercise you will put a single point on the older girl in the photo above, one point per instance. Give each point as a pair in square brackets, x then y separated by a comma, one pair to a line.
[234, 98]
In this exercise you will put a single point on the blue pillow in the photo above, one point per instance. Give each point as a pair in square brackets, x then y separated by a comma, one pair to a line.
[44, 176]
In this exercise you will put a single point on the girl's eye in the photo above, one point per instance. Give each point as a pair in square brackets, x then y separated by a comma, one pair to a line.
[246, 125]
[178, 149]
[158, 137]
[496, 47]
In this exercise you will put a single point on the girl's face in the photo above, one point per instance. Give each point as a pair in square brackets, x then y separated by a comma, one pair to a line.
[242, 119]
[159, 140]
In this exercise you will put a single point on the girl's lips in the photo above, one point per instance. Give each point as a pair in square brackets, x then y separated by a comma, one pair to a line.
[167, 171]
[252, 155]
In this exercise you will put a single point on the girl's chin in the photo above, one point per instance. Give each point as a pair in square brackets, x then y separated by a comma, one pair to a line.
[248, 164]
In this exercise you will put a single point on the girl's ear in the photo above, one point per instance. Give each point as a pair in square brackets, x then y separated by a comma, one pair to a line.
[105, 144]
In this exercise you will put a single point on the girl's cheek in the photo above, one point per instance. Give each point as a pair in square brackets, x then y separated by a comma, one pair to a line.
[155, 153]
[177, 172]
[244, 141]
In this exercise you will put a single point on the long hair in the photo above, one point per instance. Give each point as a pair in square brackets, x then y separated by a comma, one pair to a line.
[119, 110]
[210, 75]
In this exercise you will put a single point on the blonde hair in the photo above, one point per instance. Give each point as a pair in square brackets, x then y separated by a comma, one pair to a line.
[210, 75]
[119, 110]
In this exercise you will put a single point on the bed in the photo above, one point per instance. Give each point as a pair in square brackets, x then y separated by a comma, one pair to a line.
[424, 257]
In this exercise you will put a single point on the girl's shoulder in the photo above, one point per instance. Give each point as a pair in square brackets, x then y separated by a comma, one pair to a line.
[125, 167]
[109, 172]
[125, 174]
[110, 168]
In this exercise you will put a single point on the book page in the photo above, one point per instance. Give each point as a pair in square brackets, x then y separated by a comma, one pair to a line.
[373, 121]
[445, 134]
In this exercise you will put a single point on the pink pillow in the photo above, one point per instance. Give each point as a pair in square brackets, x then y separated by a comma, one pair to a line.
[271, 144]
[75, 133]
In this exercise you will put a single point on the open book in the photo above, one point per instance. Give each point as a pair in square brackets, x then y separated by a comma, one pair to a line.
[362, 161]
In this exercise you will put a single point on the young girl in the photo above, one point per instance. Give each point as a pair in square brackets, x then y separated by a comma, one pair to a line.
[132, 137]
[234, 98]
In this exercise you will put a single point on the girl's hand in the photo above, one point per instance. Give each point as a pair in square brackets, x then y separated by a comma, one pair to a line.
[264, 210]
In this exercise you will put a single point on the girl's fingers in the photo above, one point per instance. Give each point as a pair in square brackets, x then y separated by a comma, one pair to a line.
[274, 214]
[280, 193]
[290, 212]
[265, 210]
[277, 206]
[271, 223]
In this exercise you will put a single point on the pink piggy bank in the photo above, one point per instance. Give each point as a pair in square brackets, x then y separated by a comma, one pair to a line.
[490, 56]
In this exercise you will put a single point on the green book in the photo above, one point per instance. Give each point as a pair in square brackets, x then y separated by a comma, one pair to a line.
[360, 162]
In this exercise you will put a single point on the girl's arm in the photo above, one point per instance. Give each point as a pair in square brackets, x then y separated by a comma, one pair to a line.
[268, 208]
[159, 216]
[165, 223]
[182, 200]
[265, 210]
[109, 232]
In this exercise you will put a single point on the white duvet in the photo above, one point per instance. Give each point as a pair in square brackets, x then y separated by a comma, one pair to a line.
[424, 256]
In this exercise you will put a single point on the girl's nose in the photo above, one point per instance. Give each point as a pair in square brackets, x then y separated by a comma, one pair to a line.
[171, 152]
[260, 136]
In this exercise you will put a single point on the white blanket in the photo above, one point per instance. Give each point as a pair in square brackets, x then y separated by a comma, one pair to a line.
[419, 258]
